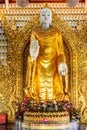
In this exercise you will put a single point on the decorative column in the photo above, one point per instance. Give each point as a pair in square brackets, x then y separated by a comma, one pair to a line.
[7, 3]
[85, 3]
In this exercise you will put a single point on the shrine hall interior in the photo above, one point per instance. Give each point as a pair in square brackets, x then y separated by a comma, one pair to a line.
[17, 20]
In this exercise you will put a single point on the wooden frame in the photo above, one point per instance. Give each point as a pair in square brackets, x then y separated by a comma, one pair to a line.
[49, 1]
[2, 1]
[40, 1]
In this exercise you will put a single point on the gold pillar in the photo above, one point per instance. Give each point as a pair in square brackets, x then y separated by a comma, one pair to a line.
[85, 3]
[7, 3]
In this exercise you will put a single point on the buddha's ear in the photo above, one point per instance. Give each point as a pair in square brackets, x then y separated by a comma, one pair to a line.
[40, 21]
[51, 20]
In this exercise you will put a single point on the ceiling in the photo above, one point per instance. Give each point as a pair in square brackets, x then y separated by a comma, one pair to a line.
[39, 1]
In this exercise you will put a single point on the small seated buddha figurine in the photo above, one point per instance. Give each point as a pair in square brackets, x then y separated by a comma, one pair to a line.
[46, 62]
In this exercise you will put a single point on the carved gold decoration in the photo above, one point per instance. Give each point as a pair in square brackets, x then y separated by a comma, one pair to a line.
[82, 71]
[12, 78]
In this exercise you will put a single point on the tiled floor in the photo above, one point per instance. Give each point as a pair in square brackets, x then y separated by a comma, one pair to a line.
[18, 127]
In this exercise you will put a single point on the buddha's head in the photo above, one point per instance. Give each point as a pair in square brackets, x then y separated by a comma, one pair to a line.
[45, 16]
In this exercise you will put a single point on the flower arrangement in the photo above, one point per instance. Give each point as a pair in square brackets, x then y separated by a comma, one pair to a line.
[29, 104]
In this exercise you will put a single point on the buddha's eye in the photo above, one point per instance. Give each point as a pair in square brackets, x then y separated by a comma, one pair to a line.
[43, 14]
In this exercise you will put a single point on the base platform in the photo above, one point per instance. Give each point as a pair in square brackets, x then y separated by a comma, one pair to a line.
[46, 120]
[28, 126]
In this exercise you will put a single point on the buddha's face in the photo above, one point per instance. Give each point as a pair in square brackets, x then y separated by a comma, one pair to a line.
[45, 16]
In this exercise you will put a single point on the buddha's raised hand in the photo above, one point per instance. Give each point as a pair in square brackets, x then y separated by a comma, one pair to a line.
[34, 49]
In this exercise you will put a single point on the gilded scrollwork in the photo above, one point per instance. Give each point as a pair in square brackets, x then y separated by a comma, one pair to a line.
[11, 82]
[10, 78]
[8, 74]
[82, 68]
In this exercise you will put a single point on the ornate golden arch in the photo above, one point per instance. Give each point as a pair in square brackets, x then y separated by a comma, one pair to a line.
[69, 45]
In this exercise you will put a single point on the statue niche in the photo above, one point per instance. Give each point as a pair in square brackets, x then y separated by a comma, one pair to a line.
[68, 61]
[46, 72]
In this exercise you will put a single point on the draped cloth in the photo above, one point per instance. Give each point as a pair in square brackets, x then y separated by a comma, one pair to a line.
[43, 81]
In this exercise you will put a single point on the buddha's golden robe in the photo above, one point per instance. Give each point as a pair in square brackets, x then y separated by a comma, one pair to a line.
[44, 82]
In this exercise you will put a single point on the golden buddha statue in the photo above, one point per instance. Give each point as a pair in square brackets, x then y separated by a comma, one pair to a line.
[46, 64]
